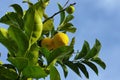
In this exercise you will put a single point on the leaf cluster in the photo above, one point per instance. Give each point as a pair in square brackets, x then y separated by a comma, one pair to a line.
[28, 59]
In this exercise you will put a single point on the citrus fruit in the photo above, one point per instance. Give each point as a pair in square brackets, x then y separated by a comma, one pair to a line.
[60, 39]
[47, 43]
[70, 9]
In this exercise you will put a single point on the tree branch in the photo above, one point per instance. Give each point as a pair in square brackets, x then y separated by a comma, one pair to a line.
[57, 13]
[66, 3]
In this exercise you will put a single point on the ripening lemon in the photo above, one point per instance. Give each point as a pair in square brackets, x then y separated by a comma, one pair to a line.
[70, 9]
[60, 39]
[47, 43]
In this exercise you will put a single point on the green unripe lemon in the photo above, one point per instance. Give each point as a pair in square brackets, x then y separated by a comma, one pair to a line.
[70, 9]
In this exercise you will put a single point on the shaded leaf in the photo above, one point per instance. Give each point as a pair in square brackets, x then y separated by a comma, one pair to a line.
[94, 51]
[65, 70]
[84, 51]
[62, 14]
[69, 18]
[83, 69]
[9, 66]
[68, 27]
[54, 74]
[92, 66]
[59, 53]
[45, 52]
[32, 71]
[99, 62]
[7, 74]
[18, 9]
[72, 42]
[20, 38]
[19, 62]
[73, 67]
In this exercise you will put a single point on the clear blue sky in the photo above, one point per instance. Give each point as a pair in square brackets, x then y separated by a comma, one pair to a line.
[94, 19]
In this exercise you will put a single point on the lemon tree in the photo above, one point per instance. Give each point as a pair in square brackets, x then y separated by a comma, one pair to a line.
[35, 45]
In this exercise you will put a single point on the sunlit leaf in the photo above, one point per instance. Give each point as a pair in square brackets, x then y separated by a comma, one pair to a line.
[54, 74]
[92, 66]
[32, 71]
[33, 54]
[62, 14]
[8, 42]
[99, 62]
[84, 51]
[20, 38]
[48, 25]
[33, 23]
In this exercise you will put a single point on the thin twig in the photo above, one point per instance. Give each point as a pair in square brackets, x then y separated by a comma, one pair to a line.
[66, 3]
[57, 13]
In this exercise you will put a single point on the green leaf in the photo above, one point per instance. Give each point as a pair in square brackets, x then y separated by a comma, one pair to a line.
[99, 62]
[7, 41]
[33, 54]
[45, 52]
[59, 53]
[32, 71]
[48, 25]
[19, 62]
[94, 51]
[33, 23]
[62, 14]
[73, 67]
[9, 66]
[20, 38]
[1, 62]
[72, 42]
[11, 18]
[92, 66]
[69, 18]
[68, 27]
[7, 74]
[65, 70]
[54, 74]
[83, 69]
[84, 51]
[18, 9]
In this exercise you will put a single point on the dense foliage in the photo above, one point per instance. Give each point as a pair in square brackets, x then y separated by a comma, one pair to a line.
[28, 59]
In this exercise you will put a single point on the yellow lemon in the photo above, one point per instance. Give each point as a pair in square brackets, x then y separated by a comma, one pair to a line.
[47, 43]
[60, 39]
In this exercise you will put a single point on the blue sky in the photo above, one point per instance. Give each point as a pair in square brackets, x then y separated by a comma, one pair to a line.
[94, 19]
